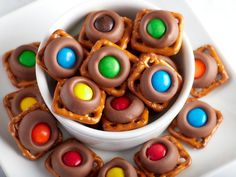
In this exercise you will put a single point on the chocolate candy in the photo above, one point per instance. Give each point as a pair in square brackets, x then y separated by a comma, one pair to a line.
[80, 95]
[158, 29]
[109, 66]
[62, 57]
[197, 119]
[22, 62]
[38, 131]
[104, 24]
[123, 109]
[117, 167]
[206, 70]
[159, 83]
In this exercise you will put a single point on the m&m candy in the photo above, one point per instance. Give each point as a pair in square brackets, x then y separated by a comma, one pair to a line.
[161, 81]
[156, 28]
[27, 58]
[66, 58]
[41, 133]
[115, 172]
[72, 158]
[27, 102]
[83, 91]
[197, 117]
[156, 152]
[109, 67]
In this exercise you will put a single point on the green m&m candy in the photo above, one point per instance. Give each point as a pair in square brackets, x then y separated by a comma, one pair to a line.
[156, 28]
[27, 58]
[109, 67]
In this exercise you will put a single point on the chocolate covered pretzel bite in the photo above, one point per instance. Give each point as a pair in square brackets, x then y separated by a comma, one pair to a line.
[196, 123]
[105, 24]
[20, 64]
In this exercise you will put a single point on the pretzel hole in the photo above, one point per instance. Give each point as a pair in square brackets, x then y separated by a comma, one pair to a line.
[182, 160]
[139, 40]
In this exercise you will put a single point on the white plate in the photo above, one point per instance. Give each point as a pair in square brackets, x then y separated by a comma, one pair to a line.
[31, 22]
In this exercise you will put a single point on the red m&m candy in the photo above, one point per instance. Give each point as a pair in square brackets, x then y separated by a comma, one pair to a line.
[121, 103]
[156, 152]
[41, 133]
[72, 158]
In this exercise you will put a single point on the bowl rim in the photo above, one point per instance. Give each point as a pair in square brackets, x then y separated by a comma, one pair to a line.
[114, 136]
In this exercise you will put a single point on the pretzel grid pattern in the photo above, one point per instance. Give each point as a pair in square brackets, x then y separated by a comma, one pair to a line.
[138, 44]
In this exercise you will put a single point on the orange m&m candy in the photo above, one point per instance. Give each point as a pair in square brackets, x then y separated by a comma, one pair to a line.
[41, 133]
[200, 69]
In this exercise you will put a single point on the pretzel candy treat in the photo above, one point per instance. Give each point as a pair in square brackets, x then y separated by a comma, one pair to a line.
[79, 99]
[119, 167]
[124, 113]
[157, 31]
[21, 100]
[154, 81]
[162, 157]
[105, 24]
[61, 56]
[73, 159]
[35, 131]
[196, 123]
[109, 66]
[20, 64]
[209, 71]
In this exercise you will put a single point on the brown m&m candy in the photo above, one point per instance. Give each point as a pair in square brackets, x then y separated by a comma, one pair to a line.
[124, 113]
[109, 66]
[20, 64]
[105, 24]
[35, 131]
[79, 99]
[154, 81]
[73, 159]
[21, 100]
[196, 123]
[209, 71]
[157, 31]
[161, 156]
[62, 55]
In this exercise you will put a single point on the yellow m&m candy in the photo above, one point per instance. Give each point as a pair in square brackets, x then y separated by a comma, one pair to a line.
[27, 102]
[83, 91]
[115, 172]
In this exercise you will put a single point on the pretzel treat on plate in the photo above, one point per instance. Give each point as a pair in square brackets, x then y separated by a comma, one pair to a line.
[105, 24]
[21, 100]
[124, 113]
[79, 99]
[20, 64]
[61, 56]
[109, 66]
[35, 131]
[163, 157]
[73, 159]
[154, 81]
[196, 123]
[118, 167]
[209, 71]
[157, 31]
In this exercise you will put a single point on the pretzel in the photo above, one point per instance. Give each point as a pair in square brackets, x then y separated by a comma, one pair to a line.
[115, 91]
[59, 108]
[146, 61]
[138, 44]
[183, 163]
[134, 124]
[13, 129]
[7, 102]
[19, 83]
[222, 75]
[122, 43]
[194, 142]
[98, 163]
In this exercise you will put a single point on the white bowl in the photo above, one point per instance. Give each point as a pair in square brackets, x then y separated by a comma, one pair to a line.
[118, 140]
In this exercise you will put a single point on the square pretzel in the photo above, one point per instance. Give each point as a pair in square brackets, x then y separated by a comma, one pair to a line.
[138, 122]
[7, 102]
[98, 163]
[122, 43]
[146, 61]
[194, 142]
[182, 164]
[222, 75]
[115, 91]
[60, 109]
[13, 129]
[138, 44]
[19, 83]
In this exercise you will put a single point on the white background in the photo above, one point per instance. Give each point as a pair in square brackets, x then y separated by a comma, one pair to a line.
[219, 18]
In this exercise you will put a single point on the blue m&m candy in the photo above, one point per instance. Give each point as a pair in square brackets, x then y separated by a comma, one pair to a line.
[66, 58]
[197, 117]
[161, 81]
